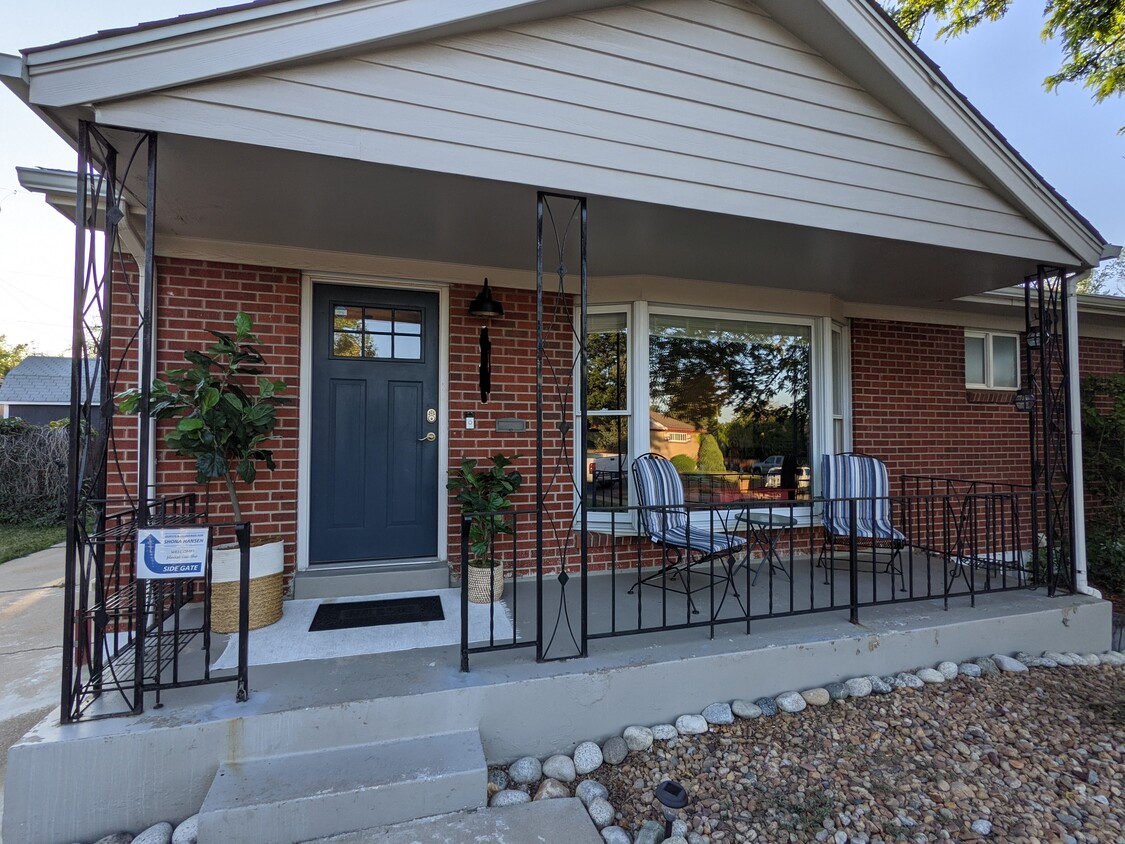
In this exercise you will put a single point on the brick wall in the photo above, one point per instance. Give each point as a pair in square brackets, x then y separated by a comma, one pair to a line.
[192, 298]
[513, 396]
[911, 407]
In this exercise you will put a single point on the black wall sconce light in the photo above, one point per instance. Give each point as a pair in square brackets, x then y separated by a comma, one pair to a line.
[484, 305]
[1024, 400]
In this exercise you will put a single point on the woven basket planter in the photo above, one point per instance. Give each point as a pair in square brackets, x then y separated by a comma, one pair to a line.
[266, 580]
[486, 584]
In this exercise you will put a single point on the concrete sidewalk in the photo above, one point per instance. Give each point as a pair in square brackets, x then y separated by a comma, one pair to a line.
[31, 611]
[542, 822]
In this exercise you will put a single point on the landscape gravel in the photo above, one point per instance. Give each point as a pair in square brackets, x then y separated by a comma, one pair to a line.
[1031, 757]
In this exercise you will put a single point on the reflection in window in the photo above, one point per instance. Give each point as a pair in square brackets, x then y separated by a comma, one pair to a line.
[607, 434]
[376, 333]
[740, 390]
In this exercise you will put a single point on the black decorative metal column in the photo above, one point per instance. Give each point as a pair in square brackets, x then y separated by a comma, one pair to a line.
[111, 351]
[556, 216]
[1052, 465]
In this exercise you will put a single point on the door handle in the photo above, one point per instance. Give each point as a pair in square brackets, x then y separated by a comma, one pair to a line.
[429, 438]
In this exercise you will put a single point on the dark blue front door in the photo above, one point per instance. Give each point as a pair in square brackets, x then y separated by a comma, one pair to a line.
[374, 450]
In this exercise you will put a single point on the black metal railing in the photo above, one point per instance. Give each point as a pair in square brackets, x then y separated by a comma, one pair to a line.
[957, 542]
[131, 636]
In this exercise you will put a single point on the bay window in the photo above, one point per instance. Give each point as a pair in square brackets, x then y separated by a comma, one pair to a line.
[728, 398]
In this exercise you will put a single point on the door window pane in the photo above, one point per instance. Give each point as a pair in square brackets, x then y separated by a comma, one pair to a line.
[376, 333]
[408, 348]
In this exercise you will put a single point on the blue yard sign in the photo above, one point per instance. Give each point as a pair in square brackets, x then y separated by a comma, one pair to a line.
[164, 553]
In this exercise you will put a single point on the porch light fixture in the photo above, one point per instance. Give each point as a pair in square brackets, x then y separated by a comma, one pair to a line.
[672, 797]
[1037, 333]
[484, 305]
[1024, 400]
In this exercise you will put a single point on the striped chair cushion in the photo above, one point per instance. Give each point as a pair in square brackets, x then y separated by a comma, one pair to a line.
[664, 517]
[864, 478]
[659, 486]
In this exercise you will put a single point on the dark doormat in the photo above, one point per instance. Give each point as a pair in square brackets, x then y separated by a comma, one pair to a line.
[377, 613]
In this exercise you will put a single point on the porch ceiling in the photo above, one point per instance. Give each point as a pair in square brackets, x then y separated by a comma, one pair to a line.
[220, 191]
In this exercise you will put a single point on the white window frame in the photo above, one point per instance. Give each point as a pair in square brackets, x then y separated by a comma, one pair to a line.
[843, 369]
[637, 323]
[989, 359]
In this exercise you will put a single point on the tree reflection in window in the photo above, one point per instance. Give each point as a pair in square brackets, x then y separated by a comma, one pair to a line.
[747, 385]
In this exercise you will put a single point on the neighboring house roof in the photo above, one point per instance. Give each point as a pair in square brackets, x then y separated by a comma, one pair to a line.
[38, 380]
[660, 422]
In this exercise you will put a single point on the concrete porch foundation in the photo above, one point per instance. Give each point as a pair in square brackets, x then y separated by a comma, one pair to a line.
[86, 780]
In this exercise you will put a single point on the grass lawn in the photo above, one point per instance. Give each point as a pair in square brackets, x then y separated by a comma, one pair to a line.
[18, 541]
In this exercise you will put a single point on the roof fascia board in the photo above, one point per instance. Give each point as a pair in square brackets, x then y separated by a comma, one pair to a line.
[874, 45]
[153, 58]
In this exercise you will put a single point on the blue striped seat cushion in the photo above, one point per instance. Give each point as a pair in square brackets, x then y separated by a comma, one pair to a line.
[865, 479]
[664, 518]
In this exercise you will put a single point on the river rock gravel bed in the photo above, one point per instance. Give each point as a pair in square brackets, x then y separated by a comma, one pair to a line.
[1031, 757]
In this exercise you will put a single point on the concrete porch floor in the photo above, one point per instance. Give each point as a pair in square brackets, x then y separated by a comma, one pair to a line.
[126, 773]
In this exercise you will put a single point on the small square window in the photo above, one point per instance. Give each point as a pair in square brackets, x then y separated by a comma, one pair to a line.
[992, 361]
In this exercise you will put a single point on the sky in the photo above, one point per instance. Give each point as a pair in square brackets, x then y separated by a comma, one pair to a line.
[1069, 139]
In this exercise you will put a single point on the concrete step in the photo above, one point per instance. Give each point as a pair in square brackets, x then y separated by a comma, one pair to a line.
[344, 582]
[530, 823]
[296, 797]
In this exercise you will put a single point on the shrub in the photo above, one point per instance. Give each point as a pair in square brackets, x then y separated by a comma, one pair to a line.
[32, 473]
[710, 455]
[683, 464]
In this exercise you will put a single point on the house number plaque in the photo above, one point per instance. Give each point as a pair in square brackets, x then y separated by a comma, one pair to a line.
[431, 415]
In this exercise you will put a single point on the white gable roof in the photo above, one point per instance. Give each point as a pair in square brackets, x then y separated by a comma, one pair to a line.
[154, 76]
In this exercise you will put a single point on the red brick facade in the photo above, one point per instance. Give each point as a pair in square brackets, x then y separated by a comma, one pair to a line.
[192, 297]
[911, 409]
[910, 404]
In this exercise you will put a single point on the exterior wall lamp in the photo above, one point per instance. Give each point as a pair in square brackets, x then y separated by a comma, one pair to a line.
[484, 305]
[1024, 400]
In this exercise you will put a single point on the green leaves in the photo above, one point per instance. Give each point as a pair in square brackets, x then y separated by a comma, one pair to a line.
[1092, 33]
[225, 409]
[483, 495]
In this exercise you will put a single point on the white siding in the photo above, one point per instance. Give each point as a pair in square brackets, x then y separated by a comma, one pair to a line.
[705, 104]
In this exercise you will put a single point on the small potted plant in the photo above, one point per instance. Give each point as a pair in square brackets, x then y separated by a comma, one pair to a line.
[485, 495]
[226, 412]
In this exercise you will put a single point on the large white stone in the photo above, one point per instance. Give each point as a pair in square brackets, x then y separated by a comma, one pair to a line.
[637, 738]
[948, 669]
[691, 725]
[601, 812]
[587, 757]
[160, 833]
[1009, 665]
[526, 770]
[589, 790]
[858, 687]
[561, 768]
[791, 702]
[187, 832]
[929, 675]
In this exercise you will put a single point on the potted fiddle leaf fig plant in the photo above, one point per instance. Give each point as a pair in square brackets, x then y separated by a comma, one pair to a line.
[484, 496]
[225, 412]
